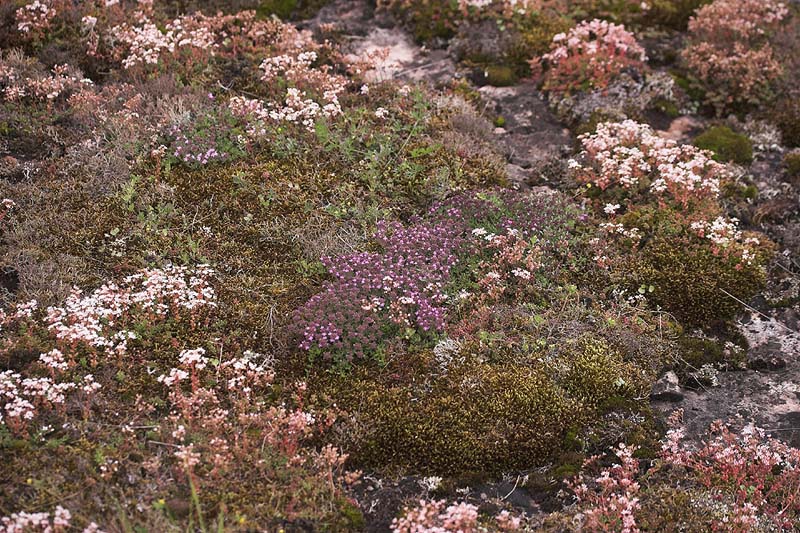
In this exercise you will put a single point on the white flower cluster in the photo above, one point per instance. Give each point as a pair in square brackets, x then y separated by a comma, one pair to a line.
[36, 15]
[287, 64]
[23, 522]
[619, 229]
[91, 319]
[245, 370]
[721, 231]
[624, 153]
[176, 375]
[296, 108]
[20, 396]
[54, 359]
[194, 358]
[725, 233]
[146, 43]
[299, 108]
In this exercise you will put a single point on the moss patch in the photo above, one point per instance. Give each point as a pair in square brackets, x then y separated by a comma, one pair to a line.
[727, 145]
[692, 282]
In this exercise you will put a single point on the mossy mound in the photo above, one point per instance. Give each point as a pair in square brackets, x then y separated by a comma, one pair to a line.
[693, 284]
[673, 14]
[500, 75]
[290, 9]
[697, 352]
[727, 145]
[481, 418]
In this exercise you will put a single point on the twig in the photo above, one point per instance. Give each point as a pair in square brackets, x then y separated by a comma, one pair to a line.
[162, 443]
[751, 308]
[516, 483]
[423, 66]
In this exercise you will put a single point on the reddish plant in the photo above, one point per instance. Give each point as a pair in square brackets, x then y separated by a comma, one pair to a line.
[759, 473]
[589, 56]
[729, 50]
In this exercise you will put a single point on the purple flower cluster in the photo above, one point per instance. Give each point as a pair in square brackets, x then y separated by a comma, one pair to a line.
[373, 294]
[403, 288]
[198, 150]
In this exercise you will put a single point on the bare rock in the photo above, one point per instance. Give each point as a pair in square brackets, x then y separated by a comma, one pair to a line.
[768, 357]
[668, 388]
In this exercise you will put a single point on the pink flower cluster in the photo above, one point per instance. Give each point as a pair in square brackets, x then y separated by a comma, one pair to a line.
[729, 50]
[433, 517]
[514, 261]
[146, 44]
[226, 400]
[255, 115]
[198, 37]
[612, 505]
[590, 55]
[297, 68]
[631, 156]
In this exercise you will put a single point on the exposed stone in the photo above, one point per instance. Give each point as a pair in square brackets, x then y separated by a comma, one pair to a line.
[667, 388]
[766, 360]
[628, 97]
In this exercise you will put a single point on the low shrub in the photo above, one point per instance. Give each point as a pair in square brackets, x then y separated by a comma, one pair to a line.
[661, 200]
[730, 54]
